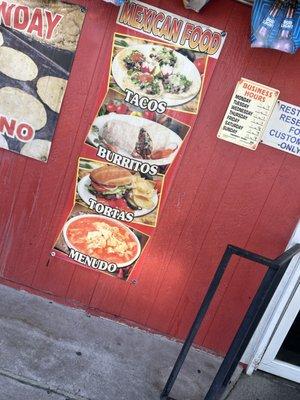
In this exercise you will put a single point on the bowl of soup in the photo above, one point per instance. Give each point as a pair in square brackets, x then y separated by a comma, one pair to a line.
[102, 238]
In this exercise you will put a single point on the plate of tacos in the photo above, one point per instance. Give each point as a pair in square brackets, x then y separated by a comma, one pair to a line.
[157, 72]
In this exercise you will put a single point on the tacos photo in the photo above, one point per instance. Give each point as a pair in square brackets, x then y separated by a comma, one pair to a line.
[158, 72]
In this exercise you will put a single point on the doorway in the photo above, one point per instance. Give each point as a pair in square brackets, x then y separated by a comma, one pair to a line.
[282, 356]
[290, 349]
[275, 346]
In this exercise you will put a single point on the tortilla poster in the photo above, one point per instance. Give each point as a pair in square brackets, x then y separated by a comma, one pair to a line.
[38, 40]
[170, 76]
[100, 243]
[142, 136]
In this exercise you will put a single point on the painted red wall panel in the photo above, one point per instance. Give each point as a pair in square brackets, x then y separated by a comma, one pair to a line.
[212, 169]
[221, 194]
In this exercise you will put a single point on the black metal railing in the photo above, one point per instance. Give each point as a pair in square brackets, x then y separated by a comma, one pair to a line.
[269, 284]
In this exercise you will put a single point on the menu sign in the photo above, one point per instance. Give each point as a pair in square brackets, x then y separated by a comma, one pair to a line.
[248, 113]
[38, 40]
[283, 129]
[156, 80]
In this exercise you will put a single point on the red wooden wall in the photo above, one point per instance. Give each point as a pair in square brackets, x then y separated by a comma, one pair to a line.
[221, 194]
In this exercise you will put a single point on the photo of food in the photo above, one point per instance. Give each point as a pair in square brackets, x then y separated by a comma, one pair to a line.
[160, 72]
[137, 134]
[119, 188]
[34, 72]
[136, 138]
[102, 238]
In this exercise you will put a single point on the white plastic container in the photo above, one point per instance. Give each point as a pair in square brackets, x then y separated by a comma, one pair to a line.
[195, 5]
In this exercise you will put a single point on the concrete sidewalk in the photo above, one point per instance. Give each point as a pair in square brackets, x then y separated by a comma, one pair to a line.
[263, 386]
[52, 352]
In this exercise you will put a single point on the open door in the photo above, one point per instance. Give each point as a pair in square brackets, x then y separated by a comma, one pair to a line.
[275, 346]
[282, 356]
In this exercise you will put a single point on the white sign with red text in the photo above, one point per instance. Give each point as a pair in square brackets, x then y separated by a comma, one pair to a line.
[248, 114]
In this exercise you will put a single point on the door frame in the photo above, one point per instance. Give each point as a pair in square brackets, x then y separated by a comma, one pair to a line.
[275, 312]
[269, 362]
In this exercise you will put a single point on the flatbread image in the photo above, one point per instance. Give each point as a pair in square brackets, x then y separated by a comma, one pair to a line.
[66, 34]
[17, 65]
[3, 143]
[38, 149]
[38, 42]
[157, 72]
[17, 104]
[51, 90]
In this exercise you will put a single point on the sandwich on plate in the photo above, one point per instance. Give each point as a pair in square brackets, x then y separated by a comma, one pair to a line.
[119, 188]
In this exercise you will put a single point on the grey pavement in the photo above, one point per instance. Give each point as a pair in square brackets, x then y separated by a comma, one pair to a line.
[77, 356]
[262, 386]
[52, 352]
[12, 390]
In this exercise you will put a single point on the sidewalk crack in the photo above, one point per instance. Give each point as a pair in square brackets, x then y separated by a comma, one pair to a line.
[38, 385]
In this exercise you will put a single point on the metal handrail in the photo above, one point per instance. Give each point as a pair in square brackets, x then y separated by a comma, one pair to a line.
[260, 302]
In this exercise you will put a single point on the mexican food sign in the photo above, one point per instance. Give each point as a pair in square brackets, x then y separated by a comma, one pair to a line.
[38, 40]
[156, 79]
[172, 28]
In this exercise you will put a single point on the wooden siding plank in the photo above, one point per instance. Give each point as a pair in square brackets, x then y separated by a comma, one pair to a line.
[220, 194]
